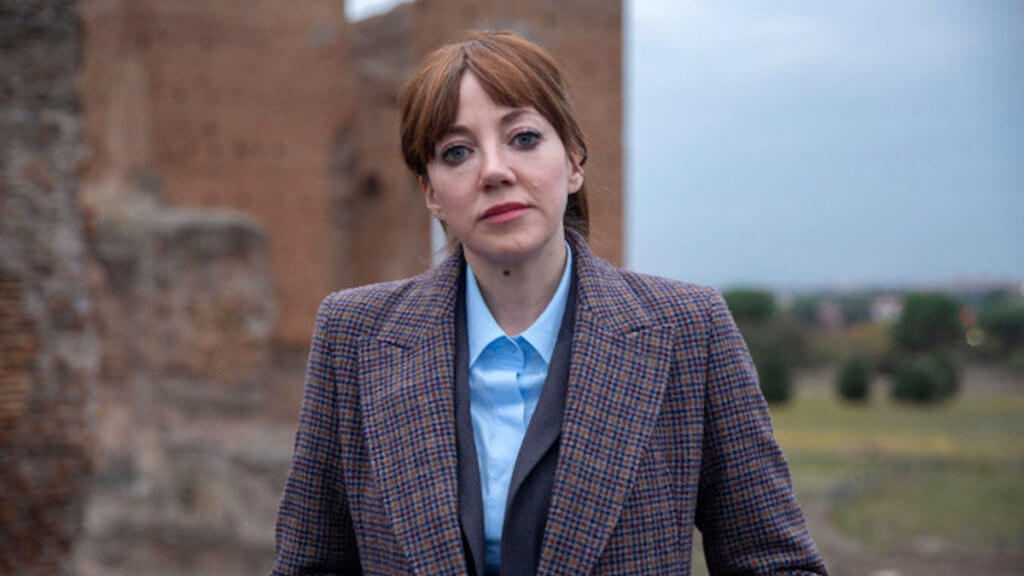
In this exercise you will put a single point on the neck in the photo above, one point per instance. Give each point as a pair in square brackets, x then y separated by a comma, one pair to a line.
[517, 293]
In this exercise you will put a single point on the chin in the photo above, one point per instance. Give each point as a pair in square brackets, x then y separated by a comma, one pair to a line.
[507, 251]
[504, 256]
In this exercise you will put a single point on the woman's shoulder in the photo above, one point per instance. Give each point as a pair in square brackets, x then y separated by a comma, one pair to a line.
[369, 297]
[672, 301]
[648, 299]
[659, 287]
[360, 310]
[369, 309]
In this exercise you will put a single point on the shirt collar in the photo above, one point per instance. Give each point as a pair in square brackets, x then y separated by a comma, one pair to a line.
[482, 329]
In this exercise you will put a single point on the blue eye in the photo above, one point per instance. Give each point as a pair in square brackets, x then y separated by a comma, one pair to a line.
[526, 139]
[454, 154]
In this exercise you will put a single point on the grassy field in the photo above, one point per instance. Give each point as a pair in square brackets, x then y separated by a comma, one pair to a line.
[892, 478]
[894, 474]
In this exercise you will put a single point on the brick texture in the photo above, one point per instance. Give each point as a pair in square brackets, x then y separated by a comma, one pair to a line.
[48, 346]
[232, 103]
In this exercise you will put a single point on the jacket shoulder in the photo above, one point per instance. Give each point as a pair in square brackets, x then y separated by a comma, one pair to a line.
[672, 302]
[360, 311]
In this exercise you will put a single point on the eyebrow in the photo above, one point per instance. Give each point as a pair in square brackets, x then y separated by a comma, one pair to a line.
[508, 118]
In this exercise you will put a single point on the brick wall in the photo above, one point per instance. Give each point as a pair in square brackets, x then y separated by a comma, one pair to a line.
[289, 114]
[48, 345]
[235, 103]
[188, 470]
[387, 224]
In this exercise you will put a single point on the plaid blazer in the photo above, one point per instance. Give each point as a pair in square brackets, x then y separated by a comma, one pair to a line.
[664, 429]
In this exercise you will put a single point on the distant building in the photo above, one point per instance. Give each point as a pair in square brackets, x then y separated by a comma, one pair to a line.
[829, 315]
[886, 308]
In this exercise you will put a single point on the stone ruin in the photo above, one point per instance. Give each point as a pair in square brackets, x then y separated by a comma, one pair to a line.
[178, 188]
[186, 469]
[49, 345]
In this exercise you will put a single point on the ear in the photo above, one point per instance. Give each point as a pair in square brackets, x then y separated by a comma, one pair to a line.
[430, 197]
[575, 175]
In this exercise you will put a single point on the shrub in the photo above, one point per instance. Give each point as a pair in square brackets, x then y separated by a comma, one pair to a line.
[782, 334]
[854, 382]
[951, 375]
[773, 373]
[926, 378]
[928, 321]
[1003, 322]
[750, 306]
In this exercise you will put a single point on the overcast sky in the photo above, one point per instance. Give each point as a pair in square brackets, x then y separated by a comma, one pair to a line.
[808, 143]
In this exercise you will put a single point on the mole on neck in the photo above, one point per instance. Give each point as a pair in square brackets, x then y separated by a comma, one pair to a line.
[505, 272]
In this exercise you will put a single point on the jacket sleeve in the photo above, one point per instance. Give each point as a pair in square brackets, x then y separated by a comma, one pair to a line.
[314, 533]
[746, 510]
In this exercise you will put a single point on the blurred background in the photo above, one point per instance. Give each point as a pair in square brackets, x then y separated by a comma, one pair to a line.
[182, 182]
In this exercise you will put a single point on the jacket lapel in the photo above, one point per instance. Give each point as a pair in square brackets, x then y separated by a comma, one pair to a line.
[546, 423]
[471, 506]
[617, 376]
[406, 389]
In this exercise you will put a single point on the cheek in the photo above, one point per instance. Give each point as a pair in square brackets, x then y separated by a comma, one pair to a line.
[454, 183]
[445, 189]
[552, 178]
[454, 202]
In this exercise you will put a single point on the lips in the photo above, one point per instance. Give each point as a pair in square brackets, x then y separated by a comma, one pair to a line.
[504, 212]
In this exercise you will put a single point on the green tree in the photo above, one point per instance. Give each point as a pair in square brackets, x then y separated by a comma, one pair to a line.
[926, 378]
[929, 321]
[750, 306]
[775, 342]
[1003, 322]
[805, 309]
[854, 382]
[773, 374]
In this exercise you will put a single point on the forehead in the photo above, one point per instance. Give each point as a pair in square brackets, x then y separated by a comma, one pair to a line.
[475, 104]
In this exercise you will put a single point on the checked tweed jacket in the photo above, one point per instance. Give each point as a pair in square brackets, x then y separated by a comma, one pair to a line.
[664, 429]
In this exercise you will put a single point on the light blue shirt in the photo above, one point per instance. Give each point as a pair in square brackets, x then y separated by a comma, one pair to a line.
[505, 380]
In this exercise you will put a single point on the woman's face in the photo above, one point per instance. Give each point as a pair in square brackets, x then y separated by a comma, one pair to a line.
[500, 180]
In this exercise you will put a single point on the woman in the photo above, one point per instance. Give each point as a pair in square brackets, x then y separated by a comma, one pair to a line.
[525, 407]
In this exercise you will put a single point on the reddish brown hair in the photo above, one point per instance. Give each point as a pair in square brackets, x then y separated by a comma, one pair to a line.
[514, 72]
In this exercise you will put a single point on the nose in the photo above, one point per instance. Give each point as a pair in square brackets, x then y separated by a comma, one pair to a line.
[495, 171]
